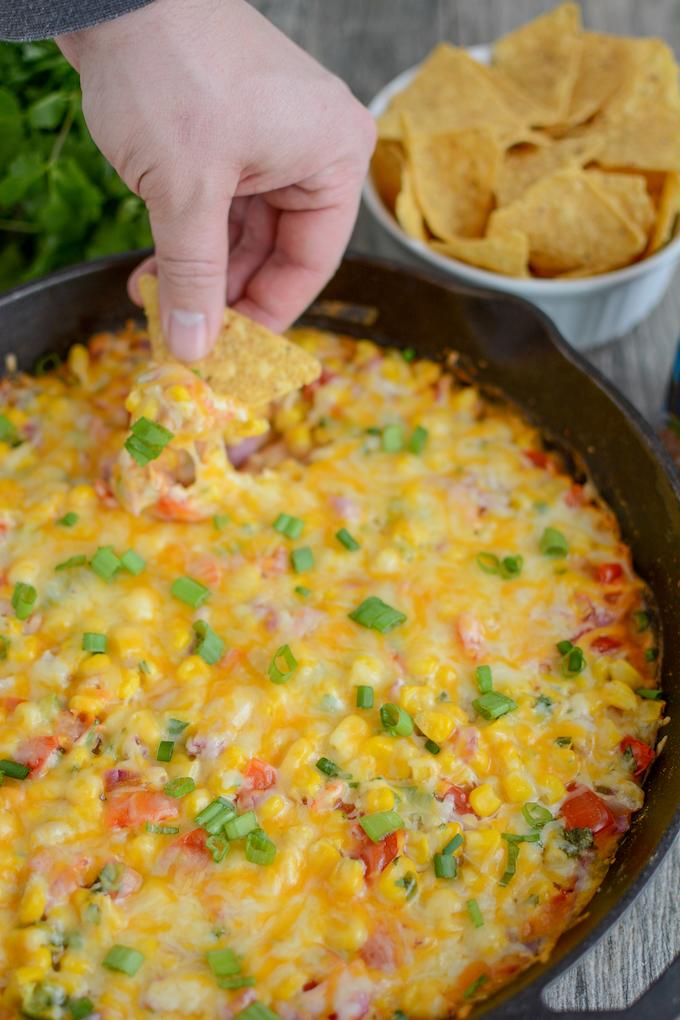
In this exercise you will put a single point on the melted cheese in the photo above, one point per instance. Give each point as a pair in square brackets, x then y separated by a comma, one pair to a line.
[336, 925]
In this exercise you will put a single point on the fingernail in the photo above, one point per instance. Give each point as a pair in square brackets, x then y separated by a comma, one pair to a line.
[188, 334]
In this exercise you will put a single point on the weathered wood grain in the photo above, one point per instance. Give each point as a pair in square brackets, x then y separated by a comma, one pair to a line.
[367, 42]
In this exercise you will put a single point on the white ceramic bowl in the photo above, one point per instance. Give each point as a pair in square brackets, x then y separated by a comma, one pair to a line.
[588, 312]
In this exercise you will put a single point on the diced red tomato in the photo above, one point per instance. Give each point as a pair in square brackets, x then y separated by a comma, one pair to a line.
[125, 811]
[575, 496]
[105, 493]
[36, 752]
[194, 840]
[260, 774]
[121, 777]
[643, 754]
[585, 810]
[9, 704]
[460, 798]
[539, 458]
[605, 643]
[176, 510]
[376, 856]
[379, 952]
[609, 573]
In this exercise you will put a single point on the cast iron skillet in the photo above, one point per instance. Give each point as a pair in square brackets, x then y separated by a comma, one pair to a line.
[506, 344]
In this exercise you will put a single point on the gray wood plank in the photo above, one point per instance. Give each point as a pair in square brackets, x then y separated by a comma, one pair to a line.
[367, 42]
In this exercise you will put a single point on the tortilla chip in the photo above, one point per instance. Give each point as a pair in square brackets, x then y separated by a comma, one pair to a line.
[505, 253]
[527, 108]
[542, 57]
[386, 169]
[453, 92]
[248, 362]
[629, 193]
[407, 210]
[668, 213]
[570, 225]
[525, 164]
[604, 65]
[453, 178]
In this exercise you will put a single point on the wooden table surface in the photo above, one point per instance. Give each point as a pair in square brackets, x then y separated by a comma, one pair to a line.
[367, 42]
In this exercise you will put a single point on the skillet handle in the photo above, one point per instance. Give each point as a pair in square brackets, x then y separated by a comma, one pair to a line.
[661, 1001]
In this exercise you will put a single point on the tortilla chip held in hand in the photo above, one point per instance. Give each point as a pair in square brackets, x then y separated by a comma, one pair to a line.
[248, 361]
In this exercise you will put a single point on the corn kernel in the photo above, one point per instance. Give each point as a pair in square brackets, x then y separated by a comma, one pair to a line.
[234, 758]
[517, 789]
[553, 788]
[346, 932]
[481, 844]
[435, 725]
[129, 684]
[196, 801]
[271, 808]
[95, 664]
[418, 847]
[79, 363]
[449, 832]
[424, 666]
[306, 781]
[619, 695]
[446, 676]
[299, 439]
[33, 900]
[193, 668]
[481, 760]
[28, 649]
[366, 669]
[415, 697]
[286, 417]
[141, 605]
[380, 798]
[348, 877]
[127, 641]
[484, 801]
[392, 883]
[288, 987]
[324, 858]
[349, 734]
[622, 671]
[141, 852]
[180, 637]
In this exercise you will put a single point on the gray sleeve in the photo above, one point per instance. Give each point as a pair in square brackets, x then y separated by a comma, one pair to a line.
[42, 19]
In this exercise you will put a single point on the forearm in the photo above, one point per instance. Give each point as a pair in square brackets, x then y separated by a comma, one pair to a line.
[44, 19]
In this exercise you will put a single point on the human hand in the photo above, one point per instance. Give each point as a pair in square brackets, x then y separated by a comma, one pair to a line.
[246, 151]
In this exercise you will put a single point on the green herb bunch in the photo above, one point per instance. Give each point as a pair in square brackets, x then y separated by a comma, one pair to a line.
[60, 200]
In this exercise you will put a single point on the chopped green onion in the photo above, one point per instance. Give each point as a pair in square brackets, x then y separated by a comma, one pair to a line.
[344, 538]
[210, 646]
[162, 830]
[218, 845]
[225, 812]
[380, 824]
[484, 679]
[328, 767]
[488, 562]
[511, 566]
[563, 741]
[235, 981]
[165, 751]
[8, 432]
[189, 591]
[377, 615]
[651, 655]
[179, 787]
[573, 662]
[93, 642]
[23, 600]
[259, 848]
[493, 705]
[73, 561]
[13, 769]
[418, 440]
[453, 844]
[4, 647]
[275, 673]
[432, 747]
[105, 563]
[544, 702]
[408, 354]
[132, 562]
[475, 913]
[302, 591]
[144, 667]
[81, 1008]
[396, 720]
[364, 696]
[256, 1011]
[650, 693]
[563, 647]
[642, 621]
[445, 866]
[148, 440]
[511, 865]
[214, 809]
[49, 362]
[392, 438]
[302, 559]
[553, 543]
[123, 959]
[237, 828]
[536, 815]
[175, 726]
[291, 527]
[220, 521]
[223, 962]
[472, 989]
[68, 520]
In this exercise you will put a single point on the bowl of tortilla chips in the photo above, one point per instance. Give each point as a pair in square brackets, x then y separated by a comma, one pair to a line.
[546, 165]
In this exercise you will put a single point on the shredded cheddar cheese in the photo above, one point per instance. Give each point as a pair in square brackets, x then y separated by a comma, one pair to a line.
[362, 740]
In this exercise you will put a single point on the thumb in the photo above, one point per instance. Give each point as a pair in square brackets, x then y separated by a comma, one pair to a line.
[191, 259]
